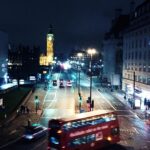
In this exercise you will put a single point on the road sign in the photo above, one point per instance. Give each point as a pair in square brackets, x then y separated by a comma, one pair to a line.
[1, 102]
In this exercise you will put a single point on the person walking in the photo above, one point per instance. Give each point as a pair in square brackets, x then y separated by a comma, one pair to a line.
[28, 110]
[148, 104]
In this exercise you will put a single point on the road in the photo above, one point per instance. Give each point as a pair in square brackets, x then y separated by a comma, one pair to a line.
[63, 102]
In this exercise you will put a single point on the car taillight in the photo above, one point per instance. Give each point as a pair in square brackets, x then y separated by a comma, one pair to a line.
[63, 147]
[48, 148]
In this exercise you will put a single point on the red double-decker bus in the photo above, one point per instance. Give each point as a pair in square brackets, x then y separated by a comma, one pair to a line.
[92, 130]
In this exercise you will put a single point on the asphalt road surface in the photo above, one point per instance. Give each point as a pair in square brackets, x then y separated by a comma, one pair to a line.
[62, 102]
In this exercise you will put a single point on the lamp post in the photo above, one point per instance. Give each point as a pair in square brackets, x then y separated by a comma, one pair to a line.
[133, 91]
[79, 55]
[91, 52]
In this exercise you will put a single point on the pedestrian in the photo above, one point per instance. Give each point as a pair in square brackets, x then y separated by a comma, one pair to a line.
[145, 102]
[146, 114]
[148, 104]
[28, 110]
[29, 122]
[25, 109]
[21, 109]
[125, 97]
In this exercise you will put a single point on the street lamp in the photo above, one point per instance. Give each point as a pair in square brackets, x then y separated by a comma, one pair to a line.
[79, 55]
[91, 52]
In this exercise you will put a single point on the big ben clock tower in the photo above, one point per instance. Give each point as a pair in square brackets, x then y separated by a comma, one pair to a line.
[46, 60]
[50, 50]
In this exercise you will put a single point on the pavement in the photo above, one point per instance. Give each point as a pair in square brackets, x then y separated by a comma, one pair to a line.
[13, 130]
[142, 113]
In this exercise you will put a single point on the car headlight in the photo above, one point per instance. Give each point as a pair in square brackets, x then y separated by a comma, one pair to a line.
[29, 137]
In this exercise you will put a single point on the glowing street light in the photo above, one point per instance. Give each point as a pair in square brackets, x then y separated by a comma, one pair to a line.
[79, 56]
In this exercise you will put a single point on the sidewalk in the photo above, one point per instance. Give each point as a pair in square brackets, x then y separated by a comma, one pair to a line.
[14, 130]
[140, 112]
[120, 96]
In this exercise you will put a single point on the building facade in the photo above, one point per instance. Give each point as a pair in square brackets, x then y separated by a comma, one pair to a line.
[23, 62]
[3, 57]
[136, 56]
[113, 51]
[46, 60]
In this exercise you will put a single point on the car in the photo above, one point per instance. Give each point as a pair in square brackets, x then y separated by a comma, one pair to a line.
[61, 83]
[54, 82]
[34, 132]
[69, 83]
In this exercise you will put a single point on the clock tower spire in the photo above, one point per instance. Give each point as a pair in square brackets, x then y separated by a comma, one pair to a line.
[50, 41]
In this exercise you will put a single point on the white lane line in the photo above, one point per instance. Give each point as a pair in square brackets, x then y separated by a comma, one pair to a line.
[39, 145]
[135, 130]
[107, 100]
[125, 115]
[50, 100]
[13, 131]
[135, 115]
[11, 142]
[45, 97]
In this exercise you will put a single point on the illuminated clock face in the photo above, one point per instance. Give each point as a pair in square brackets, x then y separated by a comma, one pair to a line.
[50, 38]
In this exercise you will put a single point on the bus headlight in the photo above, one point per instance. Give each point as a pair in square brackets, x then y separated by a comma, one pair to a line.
[109, 138]
[59, 131]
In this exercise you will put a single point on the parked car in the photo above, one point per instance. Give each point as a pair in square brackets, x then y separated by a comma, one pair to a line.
[54, 82]
[69, 83]
[34, 132]
[61, 84]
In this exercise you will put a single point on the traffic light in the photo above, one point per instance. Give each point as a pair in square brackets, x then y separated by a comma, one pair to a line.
[80, 99]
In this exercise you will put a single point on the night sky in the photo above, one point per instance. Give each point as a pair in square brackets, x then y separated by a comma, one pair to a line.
[77, 23]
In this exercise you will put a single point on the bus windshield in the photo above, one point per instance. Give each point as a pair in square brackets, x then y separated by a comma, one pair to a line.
[54, 127]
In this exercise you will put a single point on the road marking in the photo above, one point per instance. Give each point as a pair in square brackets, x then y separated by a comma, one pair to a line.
[135, 130]
[50, 104]
[135, 114]
[12, 132]
[125, 115]
[48, 100]
[11, 142]
[107, 100]
[39, 145]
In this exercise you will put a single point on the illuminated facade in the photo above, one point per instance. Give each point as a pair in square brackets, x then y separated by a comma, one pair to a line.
[47, 59]
[136, 56]
[3, 57]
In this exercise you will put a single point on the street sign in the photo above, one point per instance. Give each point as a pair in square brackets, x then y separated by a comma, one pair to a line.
[1, 102]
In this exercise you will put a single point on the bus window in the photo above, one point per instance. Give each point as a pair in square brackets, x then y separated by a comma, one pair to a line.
[66, 126]
[54, 140]
[53, 135]
[100, 120]
[115, 131]
[78, 141]
[90, 138]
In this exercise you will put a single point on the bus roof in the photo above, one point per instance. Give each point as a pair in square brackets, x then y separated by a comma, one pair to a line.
[87, 114]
